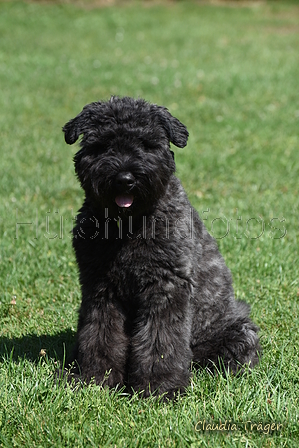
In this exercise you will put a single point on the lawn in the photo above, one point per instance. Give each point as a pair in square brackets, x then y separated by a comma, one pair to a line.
[230, 72]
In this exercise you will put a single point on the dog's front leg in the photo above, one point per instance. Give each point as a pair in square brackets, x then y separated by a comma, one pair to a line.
[160, 347]
[102, 345]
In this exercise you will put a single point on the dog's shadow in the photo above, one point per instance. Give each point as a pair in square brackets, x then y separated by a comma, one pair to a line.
[33, 346]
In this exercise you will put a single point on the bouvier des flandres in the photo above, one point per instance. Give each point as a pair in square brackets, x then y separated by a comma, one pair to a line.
[156, 293]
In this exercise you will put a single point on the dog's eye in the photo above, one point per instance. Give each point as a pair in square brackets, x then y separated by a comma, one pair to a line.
[96, 149]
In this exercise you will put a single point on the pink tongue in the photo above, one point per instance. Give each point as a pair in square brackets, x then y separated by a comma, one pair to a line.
[124, 200]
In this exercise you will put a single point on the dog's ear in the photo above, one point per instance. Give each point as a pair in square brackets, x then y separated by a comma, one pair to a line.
[176, 131]
[78, 125]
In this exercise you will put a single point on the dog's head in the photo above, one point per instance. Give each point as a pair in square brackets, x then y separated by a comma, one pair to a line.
[125, 161]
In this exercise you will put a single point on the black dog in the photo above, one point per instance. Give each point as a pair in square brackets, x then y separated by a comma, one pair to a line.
[156, 293]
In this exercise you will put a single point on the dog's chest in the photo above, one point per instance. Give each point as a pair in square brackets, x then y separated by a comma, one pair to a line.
[138, 263]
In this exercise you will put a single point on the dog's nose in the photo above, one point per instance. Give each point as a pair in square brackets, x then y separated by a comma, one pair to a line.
[125, 180]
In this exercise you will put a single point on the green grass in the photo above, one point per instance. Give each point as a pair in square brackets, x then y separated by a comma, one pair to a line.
[231, 75]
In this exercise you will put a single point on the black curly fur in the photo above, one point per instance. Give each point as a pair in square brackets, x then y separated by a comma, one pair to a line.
[156, 293]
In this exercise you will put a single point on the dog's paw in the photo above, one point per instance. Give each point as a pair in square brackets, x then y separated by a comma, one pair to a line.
[74, 378]
[111, 378]
[68, 377]
[162, 391]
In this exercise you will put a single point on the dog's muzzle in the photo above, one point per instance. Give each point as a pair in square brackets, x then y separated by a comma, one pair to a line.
[124, 183]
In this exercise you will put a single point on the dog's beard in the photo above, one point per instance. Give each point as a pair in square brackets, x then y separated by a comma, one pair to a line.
[116, 204]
